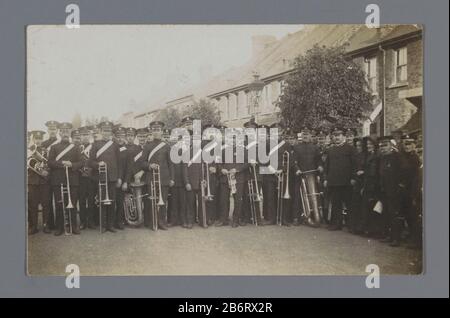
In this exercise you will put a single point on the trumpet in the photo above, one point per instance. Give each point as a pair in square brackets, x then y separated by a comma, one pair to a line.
[156, 195]
[67, 209]
[102, 185]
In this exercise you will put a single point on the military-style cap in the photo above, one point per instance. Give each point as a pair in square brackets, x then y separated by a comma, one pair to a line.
[321, 134]
[223, 127]
[156, 124]
[52, 124]
[65, 125]
[142, 131]
[385, 138]
[37, 134]
[337, 131]
[166, 131]
[120, 131]
[106, 125]
[187, 119]
[351, 132]
[75, 132]
[406, 139]
[288, 132]
[131, 131]
[313, 132]
[83, 130]
[305, 130]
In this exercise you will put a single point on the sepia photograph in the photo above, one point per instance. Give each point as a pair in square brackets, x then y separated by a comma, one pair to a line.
[216, 150]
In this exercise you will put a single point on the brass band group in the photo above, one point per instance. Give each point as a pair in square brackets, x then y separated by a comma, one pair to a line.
[108, 177]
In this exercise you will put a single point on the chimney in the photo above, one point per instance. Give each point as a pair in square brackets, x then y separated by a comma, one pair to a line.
[260, 42]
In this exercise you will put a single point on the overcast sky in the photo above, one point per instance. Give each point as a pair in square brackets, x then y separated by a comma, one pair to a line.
[108, 70]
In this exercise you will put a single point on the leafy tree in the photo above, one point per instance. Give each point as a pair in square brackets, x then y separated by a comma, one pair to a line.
[204, 110]
[170, 116]
[326, 89]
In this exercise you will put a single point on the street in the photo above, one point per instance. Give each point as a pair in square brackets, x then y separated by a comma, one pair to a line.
[249, 250]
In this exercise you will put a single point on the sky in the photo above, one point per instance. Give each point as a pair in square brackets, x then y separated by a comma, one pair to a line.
[101, 70]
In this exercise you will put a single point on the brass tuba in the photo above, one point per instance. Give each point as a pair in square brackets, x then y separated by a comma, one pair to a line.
[37, 163]
[133, 204]
[310, 197]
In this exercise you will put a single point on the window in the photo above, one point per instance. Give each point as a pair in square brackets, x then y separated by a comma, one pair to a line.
[371, 74]
[400, 65]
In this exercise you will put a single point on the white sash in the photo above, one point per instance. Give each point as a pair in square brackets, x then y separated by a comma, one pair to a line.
[194, 157]
[253, 143]
[136, 158]
[122, 148]
[276, 148]
[54, 143]
[161, 144]
[103, 149]
[87, 149]
[66, 150]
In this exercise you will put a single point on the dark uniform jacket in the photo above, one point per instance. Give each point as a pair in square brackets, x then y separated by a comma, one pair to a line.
[123, 161]
[58, 172]
[340, 165]
[134, 154]
[307, 156]
[160, 157]
[192, 172]
[33, 177]
[410, 164]
[371, 174]
[390, 174]
[110, 156]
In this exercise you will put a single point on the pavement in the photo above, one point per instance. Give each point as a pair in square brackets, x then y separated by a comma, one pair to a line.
[247, 250]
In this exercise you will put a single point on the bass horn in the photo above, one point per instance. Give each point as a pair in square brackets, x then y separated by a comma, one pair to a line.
[133, 204]
[310, 197]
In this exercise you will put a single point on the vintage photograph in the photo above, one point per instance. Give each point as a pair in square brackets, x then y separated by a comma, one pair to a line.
[224, 149]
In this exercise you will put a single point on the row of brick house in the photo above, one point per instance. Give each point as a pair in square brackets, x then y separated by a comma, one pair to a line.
[391, 56]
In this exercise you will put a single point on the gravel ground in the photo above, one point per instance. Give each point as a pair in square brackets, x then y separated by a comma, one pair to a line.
[249, 250]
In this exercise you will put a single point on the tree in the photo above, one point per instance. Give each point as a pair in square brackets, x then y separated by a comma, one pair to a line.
[76, 121]
[326, 89]
[204, 110]
[170, 116]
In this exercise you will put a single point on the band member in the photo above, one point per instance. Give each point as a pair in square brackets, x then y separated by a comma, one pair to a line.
[213, 214]
[87, 182]
[76, 140]
[370, 220]
[270, 179]
[38, 190]
[103, 152]
[65, 160]
[350, 135]
[52, 132]
[354, 221]
[156, 156]
[338, 177]
[120, 138]
[134, 174]
[410, 163]
[192, 176]
[177, 202]
[390, 191]
[223, 186]
[307, 157]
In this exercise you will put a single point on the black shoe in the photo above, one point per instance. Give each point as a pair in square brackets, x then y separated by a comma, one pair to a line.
[163, 227]
[76, 232]
[242, 223]
[111, 229]
[58, 233]
[386, 240]
[334, 228]
[82, 226]
[218, 224]
[189, 226]
[394, 243]
[235, 224]
[103, 230]
[120, 226]
[47, 230]
[92, 226]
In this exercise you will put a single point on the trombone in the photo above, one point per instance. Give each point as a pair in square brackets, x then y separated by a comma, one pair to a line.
[255, 197]
[156, 196]
[283, 191]
[67, 209]
[102, 185]
[206, 193]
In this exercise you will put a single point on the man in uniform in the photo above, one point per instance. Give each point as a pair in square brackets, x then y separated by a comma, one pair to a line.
[156, 155]
[134, 174]
[52, 132]
[38, 189]
[65, 160]
[87, 183]
[121, 140]
[306, 158]
[338, 177]
[76, 140]
[107, 152]
[223, 187]
[350, 135]
[391, 190]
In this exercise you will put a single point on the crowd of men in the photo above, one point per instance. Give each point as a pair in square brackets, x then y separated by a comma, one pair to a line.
[371, 186]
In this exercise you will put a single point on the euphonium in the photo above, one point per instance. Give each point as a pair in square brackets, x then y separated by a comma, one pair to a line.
[37, 163]
[134, 205]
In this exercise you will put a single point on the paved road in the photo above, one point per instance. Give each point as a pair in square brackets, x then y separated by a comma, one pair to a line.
[269, 250]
